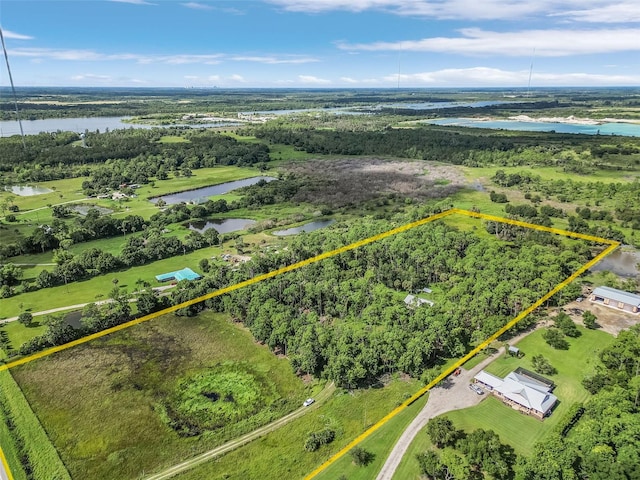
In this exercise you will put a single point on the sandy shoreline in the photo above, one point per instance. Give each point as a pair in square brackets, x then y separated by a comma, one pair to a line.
[570, 120]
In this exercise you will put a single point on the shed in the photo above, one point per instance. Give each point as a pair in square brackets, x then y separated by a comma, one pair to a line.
[514, 350]
[612, 297]
[178, 275]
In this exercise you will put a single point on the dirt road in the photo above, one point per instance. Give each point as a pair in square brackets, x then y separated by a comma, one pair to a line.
[322, 397]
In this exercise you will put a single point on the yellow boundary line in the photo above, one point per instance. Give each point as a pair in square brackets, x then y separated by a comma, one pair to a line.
[5, 464]
[612, 246]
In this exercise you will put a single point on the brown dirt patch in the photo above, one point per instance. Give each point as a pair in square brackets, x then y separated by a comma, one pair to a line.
[348, 181]
[610, 320]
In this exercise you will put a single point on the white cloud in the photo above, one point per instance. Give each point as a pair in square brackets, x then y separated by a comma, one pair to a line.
[311, 80]
[625, 12]
[274, 60]
[15, 36]
[443, 9]
[134, 2]
[486, 76]
[237, 78]
[91, 55]
[547, 43]
[92, 77]
[213, 78]
[197, 6]
[348, 80]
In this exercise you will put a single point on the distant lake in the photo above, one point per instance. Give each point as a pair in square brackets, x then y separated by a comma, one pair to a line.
[621, 262]
[437, 105]
[26, 190]
[199, 195]
[223, 225]
[79, 125]
[307, 227]
[624, 129]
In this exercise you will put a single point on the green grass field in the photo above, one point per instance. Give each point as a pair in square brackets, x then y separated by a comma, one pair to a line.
[380, 444]
[281, 454]
[519, 430]
[27, 444]
[101, 402]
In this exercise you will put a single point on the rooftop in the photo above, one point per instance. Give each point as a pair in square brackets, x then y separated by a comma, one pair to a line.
[617, 295]
[178, 275]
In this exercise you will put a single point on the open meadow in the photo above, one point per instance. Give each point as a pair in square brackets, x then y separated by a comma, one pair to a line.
[157, 393]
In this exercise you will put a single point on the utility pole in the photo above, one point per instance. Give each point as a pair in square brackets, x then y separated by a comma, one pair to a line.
[13, 88]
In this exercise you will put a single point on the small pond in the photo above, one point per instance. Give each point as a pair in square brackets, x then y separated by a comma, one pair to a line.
[200, 195]
[621, 262]
[84, 209]
[222, 225]
[307, 227]
[26, 190]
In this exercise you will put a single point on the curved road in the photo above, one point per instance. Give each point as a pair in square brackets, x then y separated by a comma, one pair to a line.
[452, 393]
[322, 397]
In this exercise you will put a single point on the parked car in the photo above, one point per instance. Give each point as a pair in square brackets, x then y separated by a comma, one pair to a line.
[476, 389]
[308, 401]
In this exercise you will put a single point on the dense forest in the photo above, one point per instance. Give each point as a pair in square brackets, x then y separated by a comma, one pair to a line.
[344, 318]
[120, 156]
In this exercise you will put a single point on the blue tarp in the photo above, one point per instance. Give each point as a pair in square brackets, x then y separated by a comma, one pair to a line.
[178, 275]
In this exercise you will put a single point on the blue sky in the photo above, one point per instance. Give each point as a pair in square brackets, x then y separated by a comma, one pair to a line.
[322, 43]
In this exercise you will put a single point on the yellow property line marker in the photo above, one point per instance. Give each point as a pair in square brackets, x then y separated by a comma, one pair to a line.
[222, 291]
[5, 464]
[612, 246]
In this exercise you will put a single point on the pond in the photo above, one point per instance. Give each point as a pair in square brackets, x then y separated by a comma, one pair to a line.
[624, 129]
[621, 262]
[84, 209]
[200, 195]
[27, 191]
[307, 227]
[222, 225]
[33, 127]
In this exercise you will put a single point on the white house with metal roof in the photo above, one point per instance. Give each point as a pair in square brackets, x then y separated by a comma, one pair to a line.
[612, 297]
[521, 392]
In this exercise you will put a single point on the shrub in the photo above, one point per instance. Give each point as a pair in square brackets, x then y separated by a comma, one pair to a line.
[317, 439]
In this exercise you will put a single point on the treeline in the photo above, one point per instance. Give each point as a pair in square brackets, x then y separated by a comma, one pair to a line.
[123, 156]
[344, 319]
[604, 443]
[624, 195]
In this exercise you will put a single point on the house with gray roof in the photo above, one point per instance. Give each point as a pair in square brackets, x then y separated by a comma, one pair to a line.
[612, 297]
[414, 301]
[521, 392]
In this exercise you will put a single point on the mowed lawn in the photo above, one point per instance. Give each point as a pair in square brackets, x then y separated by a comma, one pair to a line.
[379, 444]
[520, 431]
[99, 401]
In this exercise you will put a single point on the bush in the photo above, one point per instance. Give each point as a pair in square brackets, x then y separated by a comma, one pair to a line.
[541, 365]
[564, 323]
[318, 439]
[25, 318]
[589, 320]
[555, 338]
[361, 457]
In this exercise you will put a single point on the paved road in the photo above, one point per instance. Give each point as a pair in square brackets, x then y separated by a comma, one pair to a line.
[451, 394]
[81, 305]
[322, 397]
